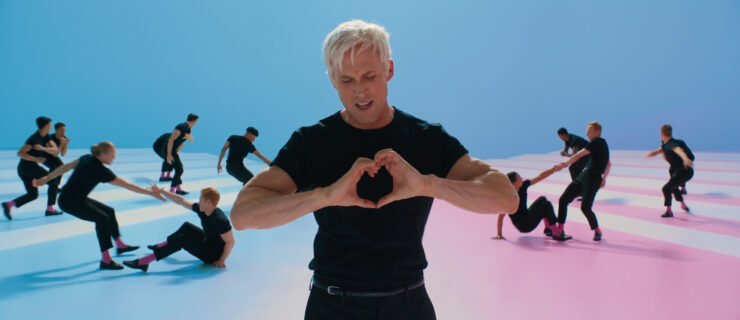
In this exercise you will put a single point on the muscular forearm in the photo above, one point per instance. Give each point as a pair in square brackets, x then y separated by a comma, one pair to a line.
[58, 171]
[260, 208]
[227, 251]
[488, 193]
[500, 225]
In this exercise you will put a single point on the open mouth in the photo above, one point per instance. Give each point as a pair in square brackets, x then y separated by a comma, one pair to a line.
[364, 106]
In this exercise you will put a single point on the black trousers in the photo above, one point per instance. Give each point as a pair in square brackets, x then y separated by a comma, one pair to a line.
[161, 150]
[193, 240]
[670, 173]
[540, 209]
[678, 178]
[412, 305]
[104, 217]
[586, 185]
[239, 171]
[28, 172]
[576, 168]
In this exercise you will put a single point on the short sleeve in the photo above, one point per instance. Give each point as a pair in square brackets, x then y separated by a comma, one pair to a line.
[106, 175]
[593, 145]
[292, 158]
[221, 224]
[451, 151]
[251, 148]
[183, 128]
[195, 207]
[526, 184]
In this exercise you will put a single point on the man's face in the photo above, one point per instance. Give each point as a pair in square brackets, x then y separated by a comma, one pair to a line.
[191, 124]
[46, 129]
[592, 133]
[61, 130]
[109, 156]
[363, 89]
[204, 204]
[563, 137]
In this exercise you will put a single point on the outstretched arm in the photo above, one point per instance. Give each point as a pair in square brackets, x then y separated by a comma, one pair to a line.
[221, 156]
[471, 184]
[258, 154]
[580, 154]
[229, 241]
[176, 198]
[118, 181]
[654, 153]
[57, 172]
[543, 175]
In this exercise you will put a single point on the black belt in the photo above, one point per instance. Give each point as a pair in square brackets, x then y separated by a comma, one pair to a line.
[337, 291]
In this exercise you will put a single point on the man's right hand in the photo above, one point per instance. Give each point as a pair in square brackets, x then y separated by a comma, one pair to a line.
[343, 192]
[564, 153]
[219, 169]
[40, 159]
[169, 159]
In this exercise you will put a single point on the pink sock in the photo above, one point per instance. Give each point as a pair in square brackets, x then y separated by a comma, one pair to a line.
[49, 208]
[683, 205]
[162, 244]
[11, 204]
[561, 226]
[597, 230]
[120, 243]
[172, 189]
[168, 174]
[668, 209]
[178, 188]
[162, 176]
[547, 224]
[147, 260]
[106, 257]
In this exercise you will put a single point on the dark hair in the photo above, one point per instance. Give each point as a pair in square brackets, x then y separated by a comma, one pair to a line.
[59, 125]
[562, 131]
[512, 176]
[192, 117]
[667, 130]
[253, 131]
[102, 147]
[42, 121]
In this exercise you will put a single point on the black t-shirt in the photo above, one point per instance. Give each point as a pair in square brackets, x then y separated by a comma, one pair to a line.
[576, 142]
[87, 174]
[368, 249]
[239, 148]
[522, 209]
[214, 225]
[599, 156]
[56, 140]
[184, 129]
[33, 140]
[672, 157]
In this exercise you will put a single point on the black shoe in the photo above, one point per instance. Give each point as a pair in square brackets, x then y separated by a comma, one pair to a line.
[53, 213]
[685, 208]
[6, 211]
[135, 264]
[182, 192]
[163, 179]
[152, 247]
[120, 251]
[562, 237]
[548, 232]
[597, 236]
[112, 265]
[667, 214]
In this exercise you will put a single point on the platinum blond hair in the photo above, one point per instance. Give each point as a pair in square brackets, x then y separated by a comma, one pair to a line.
[355, 36]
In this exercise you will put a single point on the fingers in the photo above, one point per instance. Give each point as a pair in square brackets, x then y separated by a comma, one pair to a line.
[391, 197]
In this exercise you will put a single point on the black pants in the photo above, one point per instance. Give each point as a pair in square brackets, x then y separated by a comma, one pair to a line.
[104, 217]
[412, 305]
[586, 185]
[670, 174]
[577, 167]
[678, 178]
[161, 150]
[28, 172]
[239, 171]
[193, 240]
[540, 208]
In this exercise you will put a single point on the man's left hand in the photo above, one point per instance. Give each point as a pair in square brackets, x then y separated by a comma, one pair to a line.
[407, 181]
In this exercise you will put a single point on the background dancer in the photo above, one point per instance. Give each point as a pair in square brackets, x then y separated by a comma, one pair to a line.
[681, 161]
[239, 147]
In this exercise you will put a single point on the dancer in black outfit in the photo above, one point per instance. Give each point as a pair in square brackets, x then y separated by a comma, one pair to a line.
[589, 181]
[212, 244]
[39, 148]
[59, 137]
[88, 172]
[681, 161]
[574, 143]
[168, 146]
[525, 220]
[239, 147]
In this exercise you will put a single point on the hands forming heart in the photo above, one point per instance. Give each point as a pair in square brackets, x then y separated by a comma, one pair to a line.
[407, 181]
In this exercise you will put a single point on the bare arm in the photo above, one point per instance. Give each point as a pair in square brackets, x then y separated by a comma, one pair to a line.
[543, 175]
[176, 198]
[500, 227]
[171, 141]
[57, 172]
[471, 184]
[64, 142]
[654, 153]
[580, 154]
[118, 181]
[50, 149]
[229, 241]
[258, 154]
[686, 161]
[270, 198]
[23, 153]
[221, 156]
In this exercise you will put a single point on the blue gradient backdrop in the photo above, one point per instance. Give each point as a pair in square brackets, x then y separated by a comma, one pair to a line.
[500, 75]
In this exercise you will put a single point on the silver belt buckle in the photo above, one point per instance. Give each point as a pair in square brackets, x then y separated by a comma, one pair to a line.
[337, 291]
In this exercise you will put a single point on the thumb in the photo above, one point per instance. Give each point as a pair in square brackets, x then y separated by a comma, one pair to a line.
[391, 197]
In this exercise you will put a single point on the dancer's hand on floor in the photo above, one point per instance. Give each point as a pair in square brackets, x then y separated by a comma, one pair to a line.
[498, 237]
[219, 264]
